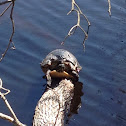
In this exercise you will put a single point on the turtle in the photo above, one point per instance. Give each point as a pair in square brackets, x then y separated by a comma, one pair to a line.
[60, 63]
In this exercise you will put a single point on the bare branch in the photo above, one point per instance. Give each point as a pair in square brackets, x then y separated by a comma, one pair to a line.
[73, 29]
[6, 117]
[13, 27]
[1, 83]
[82, 13]
[5, 10]
[12, 119]
[4, 2]
[109, 10]
[1, 87]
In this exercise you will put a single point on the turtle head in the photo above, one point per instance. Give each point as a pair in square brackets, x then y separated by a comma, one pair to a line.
[61, 64]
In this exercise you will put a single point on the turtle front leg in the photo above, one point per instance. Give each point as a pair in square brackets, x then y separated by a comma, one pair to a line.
[75, 75]
[48, 77]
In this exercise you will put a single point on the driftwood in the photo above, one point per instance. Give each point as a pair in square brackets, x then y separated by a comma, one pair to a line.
[54, 105]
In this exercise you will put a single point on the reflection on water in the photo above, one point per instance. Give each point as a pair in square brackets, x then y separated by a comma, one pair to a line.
[76, 100]
[40, 28]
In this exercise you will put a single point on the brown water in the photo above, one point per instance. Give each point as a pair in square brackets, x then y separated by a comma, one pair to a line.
[40, 28]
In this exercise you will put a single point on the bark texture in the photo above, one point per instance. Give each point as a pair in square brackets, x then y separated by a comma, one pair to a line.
[54, 105]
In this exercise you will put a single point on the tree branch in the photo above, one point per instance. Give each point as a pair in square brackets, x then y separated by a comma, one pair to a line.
[13, 26]
[73, 29]
[12, 119]
[6, 117]
[4, 2]
[5, 10]
[109, 10]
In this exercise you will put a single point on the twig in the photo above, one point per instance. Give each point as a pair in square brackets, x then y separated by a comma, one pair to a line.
[109, 10]
[6, 117]
[1, 87]
[73, 29]
[4, 2]
[5, 10]
[85, 39]
[13, 26]
[12, 119]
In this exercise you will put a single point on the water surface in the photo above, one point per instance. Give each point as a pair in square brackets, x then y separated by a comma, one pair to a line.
[40, 28]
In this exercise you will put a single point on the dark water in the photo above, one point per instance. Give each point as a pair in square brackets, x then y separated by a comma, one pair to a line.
[40, 28]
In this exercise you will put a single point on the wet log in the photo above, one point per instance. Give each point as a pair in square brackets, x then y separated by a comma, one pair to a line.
[54, 105]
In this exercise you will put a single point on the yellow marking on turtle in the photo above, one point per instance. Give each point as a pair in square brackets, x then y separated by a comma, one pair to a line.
[64, 74]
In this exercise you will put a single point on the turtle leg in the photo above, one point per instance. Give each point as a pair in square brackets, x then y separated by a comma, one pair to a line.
[75, 75]
[48, 78]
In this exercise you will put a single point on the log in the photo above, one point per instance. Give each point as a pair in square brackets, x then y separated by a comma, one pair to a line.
[54, 105]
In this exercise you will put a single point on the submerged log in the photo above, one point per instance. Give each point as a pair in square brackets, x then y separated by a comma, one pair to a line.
[54, 105]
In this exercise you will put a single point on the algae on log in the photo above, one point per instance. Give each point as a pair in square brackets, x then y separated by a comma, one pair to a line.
[54, 105]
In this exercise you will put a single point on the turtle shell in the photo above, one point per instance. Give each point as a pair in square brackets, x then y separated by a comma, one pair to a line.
[61, 63]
